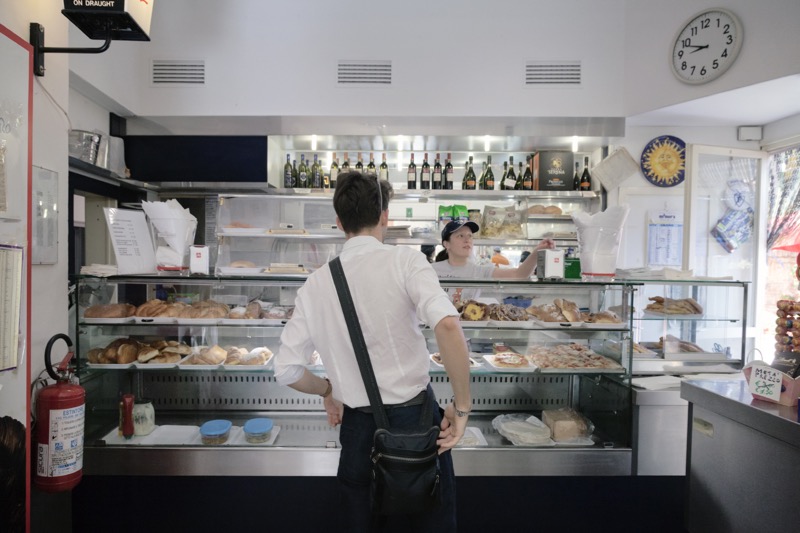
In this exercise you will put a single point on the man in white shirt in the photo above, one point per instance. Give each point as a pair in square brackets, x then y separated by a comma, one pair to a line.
[393, 287]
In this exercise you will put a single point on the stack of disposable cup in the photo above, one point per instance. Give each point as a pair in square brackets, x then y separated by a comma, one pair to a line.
[598, 241]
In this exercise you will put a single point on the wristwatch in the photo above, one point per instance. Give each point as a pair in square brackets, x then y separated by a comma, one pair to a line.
[328, 389]
[459, 412]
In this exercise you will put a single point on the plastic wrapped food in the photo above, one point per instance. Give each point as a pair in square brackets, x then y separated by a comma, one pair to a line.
[523, 429]
[503, 222]
[567, 425]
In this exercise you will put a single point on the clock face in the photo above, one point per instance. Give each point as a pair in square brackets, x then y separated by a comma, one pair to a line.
[707, 46]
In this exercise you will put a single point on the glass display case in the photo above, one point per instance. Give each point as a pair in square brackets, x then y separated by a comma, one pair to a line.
[528, 366]
[690, 326]
[294, 230]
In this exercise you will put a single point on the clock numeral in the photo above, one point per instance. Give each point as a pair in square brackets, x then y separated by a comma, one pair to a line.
[727, 29]
[686, 43]
[703, 71]
[683, 65]
[715, 64]
[724, 53]
[694, 31]
[705, 23]
[680, 54]
[729, 39]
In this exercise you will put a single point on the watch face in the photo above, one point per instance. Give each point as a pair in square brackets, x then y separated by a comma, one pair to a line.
[664, 161]
[707, 46]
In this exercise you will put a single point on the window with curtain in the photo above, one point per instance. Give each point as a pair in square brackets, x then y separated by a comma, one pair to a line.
[783, 241]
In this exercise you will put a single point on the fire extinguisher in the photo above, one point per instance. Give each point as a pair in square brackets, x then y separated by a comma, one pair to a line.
[60, 414]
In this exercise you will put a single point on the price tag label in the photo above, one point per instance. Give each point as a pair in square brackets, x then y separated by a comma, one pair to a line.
[765, 381]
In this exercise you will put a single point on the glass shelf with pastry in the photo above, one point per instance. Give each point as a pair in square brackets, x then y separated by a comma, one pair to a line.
[690, 326]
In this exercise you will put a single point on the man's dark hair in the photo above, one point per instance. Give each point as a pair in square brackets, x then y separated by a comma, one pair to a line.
[356, 200]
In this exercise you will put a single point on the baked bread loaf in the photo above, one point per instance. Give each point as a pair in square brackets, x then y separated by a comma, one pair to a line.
[552, 210]
[568, 309]
[242, 264]
[565, 424]
[210, 356]
[110, 311]
[253, 310]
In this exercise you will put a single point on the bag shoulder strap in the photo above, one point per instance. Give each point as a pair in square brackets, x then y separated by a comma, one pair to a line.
[359, 345]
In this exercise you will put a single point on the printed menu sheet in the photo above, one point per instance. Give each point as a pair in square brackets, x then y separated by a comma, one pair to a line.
[130, 236]
[10, 304]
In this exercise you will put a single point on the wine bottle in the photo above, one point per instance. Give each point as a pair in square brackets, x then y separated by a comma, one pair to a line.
[511, 179]
[334, 171]
[359, 165]
[489, 174]
[371, 165]
[412, 174]
[448, 174]
[576, 179]
[527, 179]
[288, 183]
[436, 182]
[482, 178]
[520, 177]
[302, 173]
[317, 175]
[346, 164]
[505, 173]
[295, 175]
[586, 179]
[384, 169]
[425, 173]
[470, 181]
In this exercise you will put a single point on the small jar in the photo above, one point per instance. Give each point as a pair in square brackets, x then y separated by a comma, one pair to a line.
[215, 432]
[144, 417]
[257, 430]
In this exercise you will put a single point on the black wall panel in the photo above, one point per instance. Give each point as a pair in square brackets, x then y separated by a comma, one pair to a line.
[197, 158]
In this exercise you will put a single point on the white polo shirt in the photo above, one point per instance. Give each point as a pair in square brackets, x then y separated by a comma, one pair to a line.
[393, 288]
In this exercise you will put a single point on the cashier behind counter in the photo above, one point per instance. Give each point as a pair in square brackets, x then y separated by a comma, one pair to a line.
[457, 239]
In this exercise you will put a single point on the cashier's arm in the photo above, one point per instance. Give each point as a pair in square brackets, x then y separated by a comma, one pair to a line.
[455, 358]
[526, 268]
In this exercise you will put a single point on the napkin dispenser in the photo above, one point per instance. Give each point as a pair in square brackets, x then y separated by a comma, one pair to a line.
[550, 264]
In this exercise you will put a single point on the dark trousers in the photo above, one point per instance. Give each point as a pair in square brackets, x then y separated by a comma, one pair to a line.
[354, 476]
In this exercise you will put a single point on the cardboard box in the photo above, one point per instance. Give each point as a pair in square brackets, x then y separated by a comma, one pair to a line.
[790, 387]
[553, 170]
[550, 264]
[198, 259]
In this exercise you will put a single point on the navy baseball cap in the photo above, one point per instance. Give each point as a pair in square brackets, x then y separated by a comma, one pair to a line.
[453, 226]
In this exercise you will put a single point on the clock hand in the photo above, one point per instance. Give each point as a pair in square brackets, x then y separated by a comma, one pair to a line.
[697, 47]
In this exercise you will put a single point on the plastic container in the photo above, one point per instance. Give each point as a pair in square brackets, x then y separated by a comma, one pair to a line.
[215, 431]
[257, 430]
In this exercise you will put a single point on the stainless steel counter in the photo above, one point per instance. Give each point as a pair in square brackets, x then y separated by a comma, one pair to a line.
[307, 446]
[744, 460]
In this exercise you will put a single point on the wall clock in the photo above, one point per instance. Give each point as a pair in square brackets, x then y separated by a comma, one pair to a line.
[706, 46]
[664, 161]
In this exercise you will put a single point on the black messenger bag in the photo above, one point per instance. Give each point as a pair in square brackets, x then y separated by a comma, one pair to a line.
[405, 462]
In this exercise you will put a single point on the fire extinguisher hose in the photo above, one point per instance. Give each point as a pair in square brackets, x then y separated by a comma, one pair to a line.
[48, 364]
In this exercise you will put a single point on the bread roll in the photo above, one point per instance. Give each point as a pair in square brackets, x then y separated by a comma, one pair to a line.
[253, 310]
[164, 358]
[237, 312]
[212, 356]
[94, 354]
[109, 355]
[552, 210]
[110, 311]
[127, 353]
[146, 353]
[536, 210]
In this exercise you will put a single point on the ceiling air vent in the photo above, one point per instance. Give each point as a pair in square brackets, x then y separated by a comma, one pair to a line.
[552, 73]
[178, 72]
[364, 73]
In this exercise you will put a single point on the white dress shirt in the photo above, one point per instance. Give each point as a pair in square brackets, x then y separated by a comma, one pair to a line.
[393, 288]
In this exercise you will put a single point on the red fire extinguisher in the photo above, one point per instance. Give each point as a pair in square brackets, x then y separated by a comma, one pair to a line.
[60, 414]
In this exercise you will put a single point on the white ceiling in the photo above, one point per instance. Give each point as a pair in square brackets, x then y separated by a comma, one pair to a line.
[756, 105]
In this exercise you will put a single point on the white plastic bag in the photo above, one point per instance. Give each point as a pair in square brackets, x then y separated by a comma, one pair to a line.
[523, 429]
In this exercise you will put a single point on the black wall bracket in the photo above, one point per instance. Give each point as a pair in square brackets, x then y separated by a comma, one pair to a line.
[39, 49]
